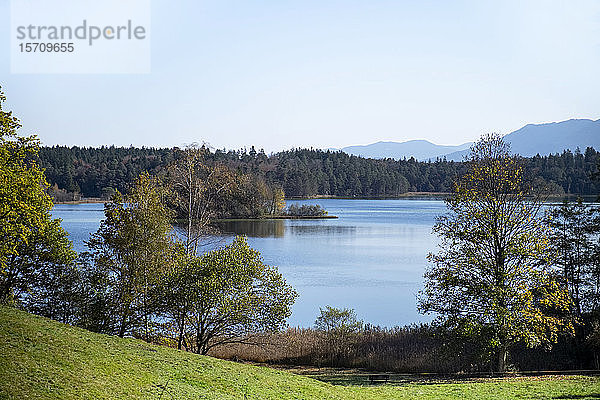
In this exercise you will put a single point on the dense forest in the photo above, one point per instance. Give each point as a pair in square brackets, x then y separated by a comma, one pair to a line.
[97, 172]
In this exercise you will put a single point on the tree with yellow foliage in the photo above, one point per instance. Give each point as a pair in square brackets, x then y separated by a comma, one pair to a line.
[494, 275]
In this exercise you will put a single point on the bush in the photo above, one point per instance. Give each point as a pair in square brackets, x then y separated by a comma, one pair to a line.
[305, 210]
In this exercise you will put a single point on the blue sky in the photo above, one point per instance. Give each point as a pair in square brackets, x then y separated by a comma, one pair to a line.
[282, 74]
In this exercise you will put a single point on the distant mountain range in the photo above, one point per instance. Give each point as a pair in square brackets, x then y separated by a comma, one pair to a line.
[419, 149]
[528, 141]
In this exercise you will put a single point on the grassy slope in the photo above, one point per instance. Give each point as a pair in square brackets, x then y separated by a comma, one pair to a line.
[44, 359]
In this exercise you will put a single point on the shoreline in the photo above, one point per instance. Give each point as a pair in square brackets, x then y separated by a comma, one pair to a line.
[91, 200]
[401, 196]
[96, 200]
[407, 195]
[277, 217]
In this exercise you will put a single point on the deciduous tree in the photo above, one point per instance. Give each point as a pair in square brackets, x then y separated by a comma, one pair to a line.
[339, 327]
[234, 295]
[195, 191]
[495, 269]
[134, 245]
[30, 241]
[277, 201]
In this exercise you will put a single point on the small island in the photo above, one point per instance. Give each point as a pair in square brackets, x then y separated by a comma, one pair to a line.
[304, 211]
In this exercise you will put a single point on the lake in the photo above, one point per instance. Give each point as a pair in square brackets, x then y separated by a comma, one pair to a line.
[371, 258]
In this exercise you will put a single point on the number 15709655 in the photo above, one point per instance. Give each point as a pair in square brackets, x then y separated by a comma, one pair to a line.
[46, 47]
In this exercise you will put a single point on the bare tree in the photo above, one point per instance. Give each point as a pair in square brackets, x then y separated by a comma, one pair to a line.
[195, 190]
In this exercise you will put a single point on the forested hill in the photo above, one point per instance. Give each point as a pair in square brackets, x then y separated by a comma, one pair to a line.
[94, 172]
[89, 170]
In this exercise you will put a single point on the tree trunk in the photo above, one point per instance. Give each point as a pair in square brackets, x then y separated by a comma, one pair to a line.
[4, 293]
[198, 339]
[6, 287]
[122, 328]
[123, 320]
[146, 325]
[181, 329]
[502, 354]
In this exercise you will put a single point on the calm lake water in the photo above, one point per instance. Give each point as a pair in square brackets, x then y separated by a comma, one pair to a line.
[371, 258]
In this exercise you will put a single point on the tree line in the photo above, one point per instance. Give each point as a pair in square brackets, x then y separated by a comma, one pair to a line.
[97, 172]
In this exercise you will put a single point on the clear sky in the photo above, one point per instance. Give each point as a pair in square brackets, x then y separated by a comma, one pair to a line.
[282, 74]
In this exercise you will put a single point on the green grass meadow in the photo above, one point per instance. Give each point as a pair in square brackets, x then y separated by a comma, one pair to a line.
[43, 359]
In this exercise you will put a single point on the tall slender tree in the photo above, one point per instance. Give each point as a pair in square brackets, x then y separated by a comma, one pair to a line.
[195, 190]
[277, 203]
[574, 236]
[135, 245]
